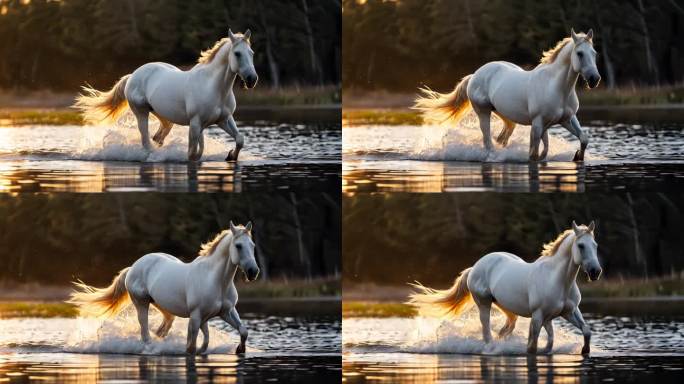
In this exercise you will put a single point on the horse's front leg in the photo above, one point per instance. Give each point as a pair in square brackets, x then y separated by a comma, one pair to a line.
[536, 133]
[230, 127]
[573, 126]
[194, 137]
[548, 326]
[233, 318]
[575, 318]
[535, 327]
[205, 341]
[194, 323]
[545, 141]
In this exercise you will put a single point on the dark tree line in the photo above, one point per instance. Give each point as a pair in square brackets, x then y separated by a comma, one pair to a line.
[398, 238]
[62, 44]
[56, 238]
[398, 45]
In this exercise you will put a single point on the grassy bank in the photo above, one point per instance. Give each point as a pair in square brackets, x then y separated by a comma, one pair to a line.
[383, 301]
[49, 108]
[33, 301]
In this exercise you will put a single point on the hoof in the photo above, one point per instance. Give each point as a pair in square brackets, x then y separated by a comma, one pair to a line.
[240, 350]
[231, 156]
[578, 156]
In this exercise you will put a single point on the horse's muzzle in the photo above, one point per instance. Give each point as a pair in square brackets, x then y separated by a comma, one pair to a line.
[251, 81]
[594, 273]
[593, 80]
[252, 273]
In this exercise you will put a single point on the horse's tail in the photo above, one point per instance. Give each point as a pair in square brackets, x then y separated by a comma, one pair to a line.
[442, 107]
[101, 302]
[442, 303]
[97, 106]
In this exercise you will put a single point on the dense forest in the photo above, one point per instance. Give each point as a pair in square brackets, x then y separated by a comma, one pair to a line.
[57, 238]
[62, 44]
[398, 45]
[398, 238]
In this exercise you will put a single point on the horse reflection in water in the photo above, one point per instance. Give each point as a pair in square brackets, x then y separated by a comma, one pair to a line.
[542, 290]
[199, 290]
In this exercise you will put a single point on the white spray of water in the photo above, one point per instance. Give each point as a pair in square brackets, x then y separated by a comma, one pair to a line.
[464, 143]
[121, 334]
[430, 335]
[121, 142]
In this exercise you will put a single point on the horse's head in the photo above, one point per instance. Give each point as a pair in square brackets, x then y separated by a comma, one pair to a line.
[584, 57]
[241, 58]
[242, 250]
[584, 250]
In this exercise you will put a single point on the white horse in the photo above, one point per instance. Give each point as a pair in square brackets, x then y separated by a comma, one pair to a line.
[542, 290]
[541, 97]
[199, 290]
[199, 97]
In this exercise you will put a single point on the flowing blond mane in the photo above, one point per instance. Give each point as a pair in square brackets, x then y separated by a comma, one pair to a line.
[208, 55]
[549, 56]
[551, 248]
[209, 247]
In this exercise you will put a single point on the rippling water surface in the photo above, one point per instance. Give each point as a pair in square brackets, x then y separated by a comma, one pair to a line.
[111, 158]
[279, 348]
[624, 349]
[438, 158]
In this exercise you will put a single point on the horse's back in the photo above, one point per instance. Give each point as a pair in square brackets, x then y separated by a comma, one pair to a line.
[504, 277]
[502, 86]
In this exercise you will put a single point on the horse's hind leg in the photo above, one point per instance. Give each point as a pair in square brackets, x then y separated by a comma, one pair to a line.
[511, 319]
[165, 326]
[484, 305]
[485, 121]
[142, 307]
[205, 337]
[506, 131]
[163, 131]
[142, 115]
[545, 141]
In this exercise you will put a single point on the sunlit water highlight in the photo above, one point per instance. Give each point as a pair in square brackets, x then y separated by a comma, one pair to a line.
[427, 350]
[441, 158]
[279, 347]
[103, 158]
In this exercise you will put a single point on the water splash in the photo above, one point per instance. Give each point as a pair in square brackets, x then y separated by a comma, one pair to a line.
[463, 336]
[121, 142]
[464, 143]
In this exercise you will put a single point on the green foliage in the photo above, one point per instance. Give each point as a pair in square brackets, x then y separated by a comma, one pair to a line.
[58, 238]
[36, 309]
[372, 309]
[63, 44]
[398, 238]
[398, 45]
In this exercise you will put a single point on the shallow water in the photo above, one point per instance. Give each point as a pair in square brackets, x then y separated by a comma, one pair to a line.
[428, 350]
[111, 158]
[437, 159]
[280, 348]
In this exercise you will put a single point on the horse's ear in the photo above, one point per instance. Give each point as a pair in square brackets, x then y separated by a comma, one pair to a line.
[247, 34]
[575, 228]
[231, 35]
[233, 228]
[575, 38]
[590, 34]
[592, 225]
[248, 227]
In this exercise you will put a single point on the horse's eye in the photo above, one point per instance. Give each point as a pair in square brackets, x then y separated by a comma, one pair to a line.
[580, 246]
[238, 54]
[580, 54]
[238, 246]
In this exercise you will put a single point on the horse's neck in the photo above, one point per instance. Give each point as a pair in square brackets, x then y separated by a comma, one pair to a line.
[222, 76]
[563, 265]
[223, 267]
[565, 78]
